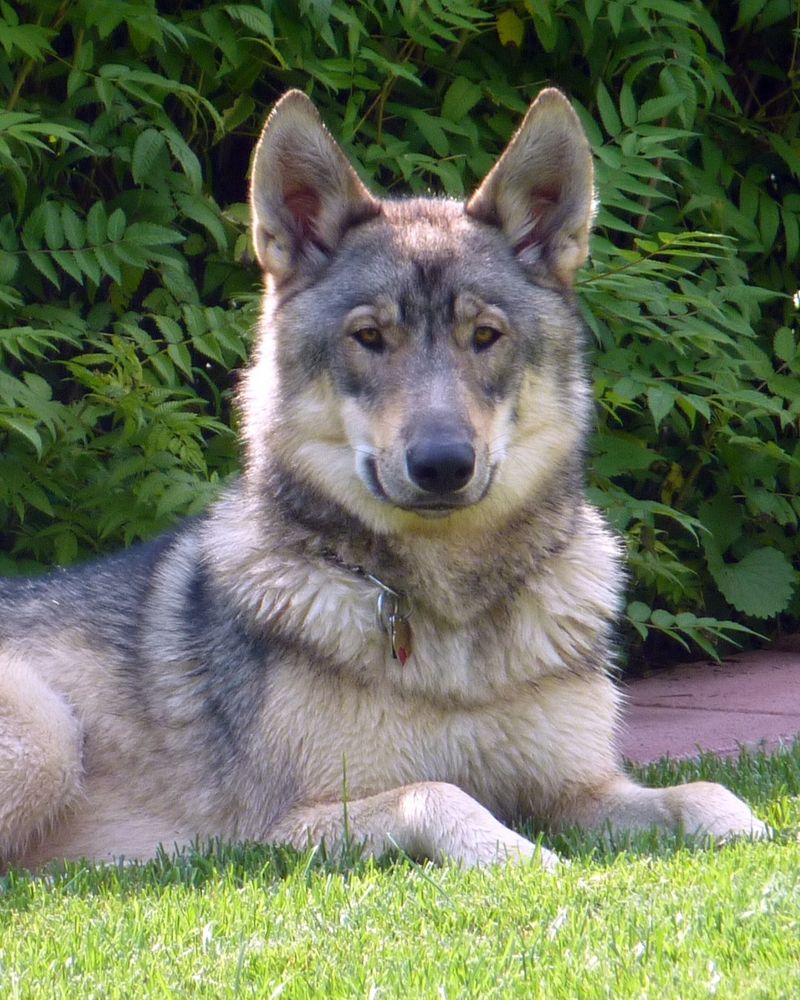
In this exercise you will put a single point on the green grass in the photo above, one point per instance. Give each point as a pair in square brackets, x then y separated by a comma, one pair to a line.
[655, 916]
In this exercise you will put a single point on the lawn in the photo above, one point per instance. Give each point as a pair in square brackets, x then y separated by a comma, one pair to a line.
[653, 917]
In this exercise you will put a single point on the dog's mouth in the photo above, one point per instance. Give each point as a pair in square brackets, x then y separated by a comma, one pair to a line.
[425, 505]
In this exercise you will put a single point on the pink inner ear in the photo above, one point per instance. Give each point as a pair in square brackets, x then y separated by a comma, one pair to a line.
[546, 195]
[304, 204]
[544, 206]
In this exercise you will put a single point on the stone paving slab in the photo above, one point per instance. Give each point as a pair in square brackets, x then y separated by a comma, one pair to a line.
[752, 699]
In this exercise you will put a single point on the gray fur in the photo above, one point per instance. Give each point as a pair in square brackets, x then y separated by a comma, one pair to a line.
[416, 412]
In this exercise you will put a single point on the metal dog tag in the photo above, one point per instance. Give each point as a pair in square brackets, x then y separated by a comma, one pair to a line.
[400, 638]
[394, 623]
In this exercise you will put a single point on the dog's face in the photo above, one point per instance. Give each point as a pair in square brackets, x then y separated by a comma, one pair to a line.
[421, 355]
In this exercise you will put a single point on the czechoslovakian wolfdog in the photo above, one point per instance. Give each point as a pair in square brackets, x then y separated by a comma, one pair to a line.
[396, 626]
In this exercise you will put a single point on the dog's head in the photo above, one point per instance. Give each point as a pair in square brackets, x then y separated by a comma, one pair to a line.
[420, 360]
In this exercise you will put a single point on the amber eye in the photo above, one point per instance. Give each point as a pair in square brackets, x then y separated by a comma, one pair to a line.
[369, 337]
[484, 337]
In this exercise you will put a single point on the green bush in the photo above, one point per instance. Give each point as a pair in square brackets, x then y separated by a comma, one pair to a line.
[127, 289]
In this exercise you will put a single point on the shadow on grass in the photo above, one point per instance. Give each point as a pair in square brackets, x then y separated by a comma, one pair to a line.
[197, 866]
[767, 780]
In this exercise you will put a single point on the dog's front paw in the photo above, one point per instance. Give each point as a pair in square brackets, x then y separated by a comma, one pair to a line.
[703, 808]
[511, 848]
[447, 824]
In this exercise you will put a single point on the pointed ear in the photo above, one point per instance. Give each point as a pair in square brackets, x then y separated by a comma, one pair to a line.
[540, 192]
[303, 193]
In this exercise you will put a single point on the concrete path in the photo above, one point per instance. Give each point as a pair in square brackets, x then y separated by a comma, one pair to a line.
[752, 699]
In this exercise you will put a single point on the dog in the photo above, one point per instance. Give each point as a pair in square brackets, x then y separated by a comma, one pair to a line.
[395, 630]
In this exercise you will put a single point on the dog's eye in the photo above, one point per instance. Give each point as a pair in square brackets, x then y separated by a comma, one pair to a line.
[369, 337]
[484, 337]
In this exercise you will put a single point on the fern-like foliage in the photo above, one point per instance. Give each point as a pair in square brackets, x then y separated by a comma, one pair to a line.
[127, 291]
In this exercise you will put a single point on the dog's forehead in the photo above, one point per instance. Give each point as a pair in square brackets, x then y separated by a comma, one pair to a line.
[423, 255]
[427, 247]
[429, 228]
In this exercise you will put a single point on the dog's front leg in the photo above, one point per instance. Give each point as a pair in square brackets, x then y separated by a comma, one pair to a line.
[700, 808]
[41, 750]
[433, 820]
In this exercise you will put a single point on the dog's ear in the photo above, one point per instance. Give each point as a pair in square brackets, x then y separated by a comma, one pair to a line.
[541, 193]
[303, 193]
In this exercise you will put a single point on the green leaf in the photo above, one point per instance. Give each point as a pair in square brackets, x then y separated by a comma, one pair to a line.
[181, 357]
[593, 8]
[29, 39]
[608, 113]
[96, 224]
[450, 177]
[171, 330]
[74, 228]
[788, 151]
[638, 611]
[116, 225]
[43, 263]
[37, 498]
[149, 145]
[660, 401]
[627, 105]
[460, 98]
[784, 343]
[87, 262]
[761, 584]
[24, 429]
[431, 130]
[748, 11]
[108, 263]
[510, 29]
[241, 109]
[53, 226]
[253, 18]
[662, 618]
[659, 107]
[622, 454]
[189, 163]
[389, 67]
[769, 220]
[66, 547]
[9, 263]
[203, 213]
[66, 261]
[148, 234]
[615, 11]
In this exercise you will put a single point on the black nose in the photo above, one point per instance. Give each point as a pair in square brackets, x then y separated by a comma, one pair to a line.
[441, 466]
